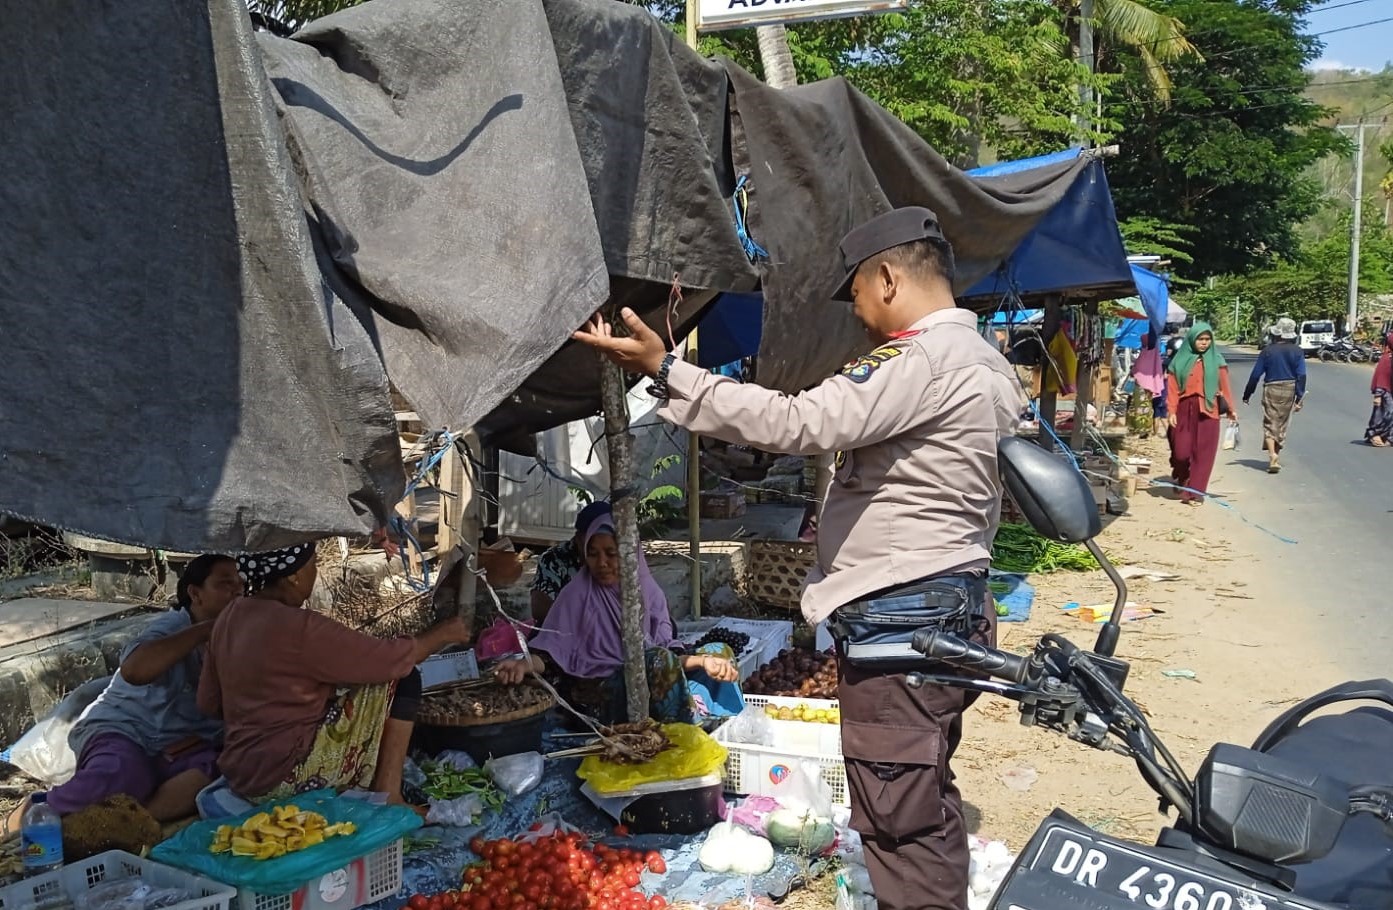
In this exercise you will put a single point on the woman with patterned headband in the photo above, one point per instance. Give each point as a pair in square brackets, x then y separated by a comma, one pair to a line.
[307, 702]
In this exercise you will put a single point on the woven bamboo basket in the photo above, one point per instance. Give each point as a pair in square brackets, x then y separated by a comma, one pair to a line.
[436, 716]
[777, 571]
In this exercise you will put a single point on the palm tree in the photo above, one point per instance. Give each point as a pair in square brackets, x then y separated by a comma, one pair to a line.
[1157, 39]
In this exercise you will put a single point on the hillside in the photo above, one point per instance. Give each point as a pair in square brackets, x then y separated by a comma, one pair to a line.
[1353, 95]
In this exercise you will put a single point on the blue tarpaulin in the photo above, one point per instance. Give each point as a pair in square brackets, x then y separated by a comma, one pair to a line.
[1155, 296]
[1077, 246]
[730, 330]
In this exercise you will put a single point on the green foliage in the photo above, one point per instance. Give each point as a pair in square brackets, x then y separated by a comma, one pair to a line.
[662, 505]
[974, 78]
[1313, 284]
[1152, 39]
[1151, 236]
[1230, 153]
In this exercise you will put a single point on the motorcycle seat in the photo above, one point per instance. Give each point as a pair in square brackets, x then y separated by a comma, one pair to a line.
[1355, 748]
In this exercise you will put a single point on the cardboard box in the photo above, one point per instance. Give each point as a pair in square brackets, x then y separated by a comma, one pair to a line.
[723, 504]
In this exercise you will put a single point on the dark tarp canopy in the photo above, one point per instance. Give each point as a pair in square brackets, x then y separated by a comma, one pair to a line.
[1076, 249]
[188, 379]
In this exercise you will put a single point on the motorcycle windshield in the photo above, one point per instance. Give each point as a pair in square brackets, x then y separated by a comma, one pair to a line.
[1068, 865]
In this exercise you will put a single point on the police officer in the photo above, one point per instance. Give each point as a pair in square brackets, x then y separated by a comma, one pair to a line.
[909, 520]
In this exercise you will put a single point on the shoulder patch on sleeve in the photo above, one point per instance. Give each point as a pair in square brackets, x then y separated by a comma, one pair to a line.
[862, 368]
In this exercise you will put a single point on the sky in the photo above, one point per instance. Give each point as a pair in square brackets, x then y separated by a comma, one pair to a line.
[1363, 47]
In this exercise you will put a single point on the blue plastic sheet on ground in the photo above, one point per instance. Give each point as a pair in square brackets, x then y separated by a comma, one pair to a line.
[1013, 593]
[377, 826]
[437, 855]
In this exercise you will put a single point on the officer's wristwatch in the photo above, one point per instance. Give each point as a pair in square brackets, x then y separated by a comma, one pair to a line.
[659, 387]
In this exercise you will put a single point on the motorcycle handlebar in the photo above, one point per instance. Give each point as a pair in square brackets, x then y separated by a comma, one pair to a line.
[968, 655]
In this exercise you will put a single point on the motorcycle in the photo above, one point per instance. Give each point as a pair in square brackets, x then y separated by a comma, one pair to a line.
[1301, 820]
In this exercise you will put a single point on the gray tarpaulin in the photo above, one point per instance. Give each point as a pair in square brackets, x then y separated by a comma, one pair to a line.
[823, 158]
[198, 298]
[176, 374]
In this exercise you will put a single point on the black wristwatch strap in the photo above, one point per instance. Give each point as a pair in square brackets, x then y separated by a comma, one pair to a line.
[659, 387]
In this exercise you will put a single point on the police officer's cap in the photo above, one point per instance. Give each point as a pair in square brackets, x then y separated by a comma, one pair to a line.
[882, 232]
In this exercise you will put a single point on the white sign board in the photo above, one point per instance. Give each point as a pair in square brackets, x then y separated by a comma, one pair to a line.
[713, 15]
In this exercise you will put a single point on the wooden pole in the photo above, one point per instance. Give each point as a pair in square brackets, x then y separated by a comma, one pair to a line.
[693, 440]
[1054, 314]
[619, 444]
[1083, 386]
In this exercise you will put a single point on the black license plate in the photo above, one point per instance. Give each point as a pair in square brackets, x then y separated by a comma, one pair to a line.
[1079, 868]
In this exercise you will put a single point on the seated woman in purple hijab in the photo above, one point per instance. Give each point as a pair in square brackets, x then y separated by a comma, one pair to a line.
[581, 641]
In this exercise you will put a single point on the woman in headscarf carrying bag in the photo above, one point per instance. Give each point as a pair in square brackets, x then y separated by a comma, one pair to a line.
[307, 702]
[1197, 397]
[581, 642]
[1381, 418]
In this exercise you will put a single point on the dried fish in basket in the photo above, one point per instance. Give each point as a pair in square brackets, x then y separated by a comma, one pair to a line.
[479, 705]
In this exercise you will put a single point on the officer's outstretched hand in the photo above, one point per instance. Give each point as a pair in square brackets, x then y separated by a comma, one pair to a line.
[642, 351]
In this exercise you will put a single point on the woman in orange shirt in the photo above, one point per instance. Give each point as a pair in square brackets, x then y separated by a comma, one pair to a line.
[1197, 395]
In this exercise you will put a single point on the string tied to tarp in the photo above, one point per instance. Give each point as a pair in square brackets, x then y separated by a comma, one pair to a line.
[401, 526]
[740, 200]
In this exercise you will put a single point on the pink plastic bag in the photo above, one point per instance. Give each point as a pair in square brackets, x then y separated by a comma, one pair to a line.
[495, 641]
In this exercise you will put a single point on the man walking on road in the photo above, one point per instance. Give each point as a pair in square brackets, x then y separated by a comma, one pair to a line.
[1284, 365]
[907, 525]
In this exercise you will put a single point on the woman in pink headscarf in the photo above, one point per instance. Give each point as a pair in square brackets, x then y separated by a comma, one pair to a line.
[581, 641]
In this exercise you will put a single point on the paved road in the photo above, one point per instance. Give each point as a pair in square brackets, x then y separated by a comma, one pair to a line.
[1334, 496]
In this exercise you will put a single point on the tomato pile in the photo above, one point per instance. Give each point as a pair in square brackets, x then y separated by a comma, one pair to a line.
[558, 872]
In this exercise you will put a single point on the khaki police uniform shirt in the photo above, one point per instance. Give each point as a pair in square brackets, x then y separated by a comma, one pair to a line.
[914, 426]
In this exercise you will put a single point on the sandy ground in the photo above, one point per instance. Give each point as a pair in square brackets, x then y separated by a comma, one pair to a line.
[1227, 619]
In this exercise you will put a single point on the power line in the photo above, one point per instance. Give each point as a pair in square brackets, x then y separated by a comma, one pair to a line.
[1350, 28]
[1326, 9]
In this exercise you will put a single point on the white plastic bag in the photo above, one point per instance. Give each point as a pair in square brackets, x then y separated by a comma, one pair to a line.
[43, 753]
[751, 727]
[461, 812]
[1230, 440]
[804, 791]
[516, 774]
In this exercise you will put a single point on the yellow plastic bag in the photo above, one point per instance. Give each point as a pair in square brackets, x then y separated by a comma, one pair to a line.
[693, 754]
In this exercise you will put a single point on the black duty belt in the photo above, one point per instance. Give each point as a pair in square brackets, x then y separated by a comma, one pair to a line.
[878, 630]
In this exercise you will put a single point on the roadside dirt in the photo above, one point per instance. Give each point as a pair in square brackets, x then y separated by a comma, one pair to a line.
[1245, 642]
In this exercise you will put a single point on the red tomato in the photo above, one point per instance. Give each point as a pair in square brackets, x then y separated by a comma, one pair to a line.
[621, 831]
[655, 862]
[418, 902]
[631, 878]
[477, 844]
[657, 902]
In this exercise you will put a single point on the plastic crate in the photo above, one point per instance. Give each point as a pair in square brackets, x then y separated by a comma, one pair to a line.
[61, 887]
[366, 880]
[823, 739]
[752, 770]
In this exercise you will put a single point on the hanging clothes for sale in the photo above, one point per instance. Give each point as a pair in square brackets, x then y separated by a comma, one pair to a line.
[1063, 364]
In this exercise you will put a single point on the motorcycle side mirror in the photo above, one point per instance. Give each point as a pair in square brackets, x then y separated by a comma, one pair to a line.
[1055, 499]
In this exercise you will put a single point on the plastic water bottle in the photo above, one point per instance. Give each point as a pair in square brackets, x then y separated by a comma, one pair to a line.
[41, 837]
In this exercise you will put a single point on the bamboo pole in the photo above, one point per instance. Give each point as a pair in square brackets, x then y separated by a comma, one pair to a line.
[693, 440]
[619, 445]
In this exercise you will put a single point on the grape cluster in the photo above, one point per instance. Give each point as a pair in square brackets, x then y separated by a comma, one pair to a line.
[737, 641]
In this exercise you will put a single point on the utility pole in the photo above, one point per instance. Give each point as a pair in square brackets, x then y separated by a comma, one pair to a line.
[1352, 314]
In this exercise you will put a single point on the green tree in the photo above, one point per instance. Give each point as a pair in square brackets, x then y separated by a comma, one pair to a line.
[1311, 284]
[967, 75]
[1229, 154]
[1152, 38]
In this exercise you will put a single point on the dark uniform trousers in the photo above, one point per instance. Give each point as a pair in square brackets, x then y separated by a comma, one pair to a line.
[898, 744]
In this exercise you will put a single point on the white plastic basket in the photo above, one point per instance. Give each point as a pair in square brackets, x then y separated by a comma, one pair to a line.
[65, 886]
[753, 770]
[820, 738]
[366, 880]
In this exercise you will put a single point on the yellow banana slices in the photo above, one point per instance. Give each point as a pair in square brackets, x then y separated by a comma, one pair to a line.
[283, 830]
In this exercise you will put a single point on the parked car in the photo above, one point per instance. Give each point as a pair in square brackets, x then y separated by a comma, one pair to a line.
[1314, 334]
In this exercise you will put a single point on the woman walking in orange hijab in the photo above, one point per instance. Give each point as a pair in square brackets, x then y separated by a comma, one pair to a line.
[1197, 395]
